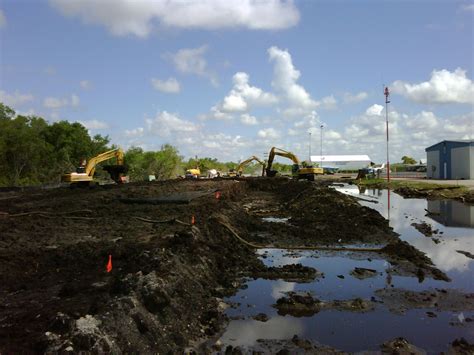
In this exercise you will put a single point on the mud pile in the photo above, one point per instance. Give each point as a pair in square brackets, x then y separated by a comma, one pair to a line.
[173, 259]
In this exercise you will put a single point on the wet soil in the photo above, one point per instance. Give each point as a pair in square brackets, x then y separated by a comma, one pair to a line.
[426, 190]
[441, 192]
[363, 273]
[425, 229]
[400, 300]
[295, 345]
[289, 273]
[172, 263]
[304, 304]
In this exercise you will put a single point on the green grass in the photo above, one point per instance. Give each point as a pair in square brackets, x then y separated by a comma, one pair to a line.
[425, 188]
[411, 184]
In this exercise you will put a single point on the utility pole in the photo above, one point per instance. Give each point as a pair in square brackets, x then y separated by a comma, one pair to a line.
[321, 152]
[387, 94]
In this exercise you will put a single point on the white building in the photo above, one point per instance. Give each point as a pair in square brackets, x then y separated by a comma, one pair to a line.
[342, 162]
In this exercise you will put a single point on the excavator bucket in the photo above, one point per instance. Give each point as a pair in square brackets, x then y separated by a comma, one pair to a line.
[271, 173]
[116, 172]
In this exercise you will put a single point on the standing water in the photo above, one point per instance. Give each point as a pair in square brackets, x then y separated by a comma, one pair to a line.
[453, 223]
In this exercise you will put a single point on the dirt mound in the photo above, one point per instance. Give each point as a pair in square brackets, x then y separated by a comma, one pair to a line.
[408, 259]
[172, 262]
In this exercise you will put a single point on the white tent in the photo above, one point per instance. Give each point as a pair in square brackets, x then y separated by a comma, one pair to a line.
[342, 162]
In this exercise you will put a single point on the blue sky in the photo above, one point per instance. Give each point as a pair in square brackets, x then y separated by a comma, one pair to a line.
[229, 79]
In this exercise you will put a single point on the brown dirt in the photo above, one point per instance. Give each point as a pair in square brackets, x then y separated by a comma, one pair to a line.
[425, 229]
[441, 192]
[305, 305]
[400, 300]
[168, 279]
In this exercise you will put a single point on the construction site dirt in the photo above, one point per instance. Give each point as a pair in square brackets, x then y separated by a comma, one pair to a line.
[177, 249]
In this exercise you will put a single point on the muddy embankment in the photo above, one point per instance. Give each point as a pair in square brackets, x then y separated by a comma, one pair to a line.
[426, 190]
[169, 275]
[437, 193]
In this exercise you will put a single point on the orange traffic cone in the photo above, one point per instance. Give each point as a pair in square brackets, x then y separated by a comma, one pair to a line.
[109, 264]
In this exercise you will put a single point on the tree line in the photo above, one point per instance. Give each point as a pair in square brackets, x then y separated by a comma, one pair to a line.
[36, 152]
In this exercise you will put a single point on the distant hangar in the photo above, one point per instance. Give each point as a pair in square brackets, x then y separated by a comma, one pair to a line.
[342, 162]
[450, 160]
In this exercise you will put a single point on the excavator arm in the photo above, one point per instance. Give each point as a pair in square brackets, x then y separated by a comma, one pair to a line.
[283, 153]
[87, 176]
[297, 170]
[243, 164]
[114, 153]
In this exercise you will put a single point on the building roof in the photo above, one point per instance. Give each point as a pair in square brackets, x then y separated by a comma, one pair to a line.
[460, 141]
[334, 158]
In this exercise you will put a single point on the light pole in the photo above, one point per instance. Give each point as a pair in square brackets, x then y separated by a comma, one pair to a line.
[387, 93]
[309, 147]
[321, 152]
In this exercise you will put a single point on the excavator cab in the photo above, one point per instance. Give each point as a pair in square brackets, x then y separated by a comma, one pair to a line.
[81, 169]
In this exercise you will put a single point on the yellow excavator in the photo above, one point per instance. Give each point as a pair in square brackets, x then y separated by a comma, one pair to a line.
[192, 173]
[240, 168]
[297, 170]
[84, 175]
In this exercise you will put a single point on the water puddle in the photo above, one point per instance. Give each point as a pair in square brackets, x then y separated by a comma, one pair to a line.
[453, 220]
[351, 331]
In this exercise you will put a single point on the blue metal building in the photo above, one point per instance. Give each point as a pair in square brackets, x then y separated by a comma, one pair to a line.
[450, 160]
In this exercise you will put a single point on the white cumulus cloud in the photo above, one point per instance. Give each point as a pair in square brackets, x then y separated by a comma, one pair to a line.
[3, 19]
[170, 85]
[94, 124]
[85, 84]
[165, 124]
[328, 102]
[355, 98]
[243, 96]
[248, 120]
[140, 17]
[74, 100]
[268, 133]
[423, 121]
[136, 132]
[192, 61]
[374, 110]
[444, 87]
[15, 99]
[55, 103]
[285, 79]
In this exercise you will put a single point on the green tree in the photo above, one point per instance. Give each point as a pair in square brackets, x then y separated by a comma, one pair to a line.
[72, 144]
[408, 160]
[6, 113]
[134, 161]
[35, 152]
[164, 164]
[23, 151]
